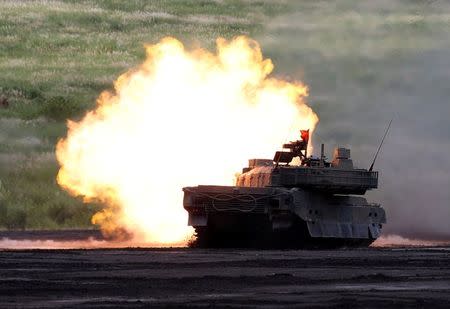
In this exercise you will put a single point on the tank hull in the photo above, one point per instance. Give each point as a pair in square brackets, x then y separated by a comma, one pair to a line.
[277, 217]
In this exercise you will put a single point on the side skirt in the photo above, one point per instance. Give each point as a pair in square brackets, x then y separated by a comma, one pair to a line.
[251, 231]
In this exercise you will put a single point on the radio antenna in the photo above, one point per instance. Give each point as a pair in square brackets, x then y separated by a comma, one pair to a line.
[381, 144]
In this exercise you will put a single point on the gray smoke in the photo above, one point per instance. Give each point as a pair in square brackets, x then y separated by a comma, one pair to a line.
[366, 62]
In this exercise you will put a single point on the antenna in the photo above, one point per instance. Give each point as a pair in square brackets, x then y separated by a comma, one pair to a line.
[322, 155]
[381, 144]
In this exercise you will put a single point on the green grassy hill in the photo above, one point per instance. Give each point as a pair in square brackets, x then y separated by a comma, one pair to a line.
[55, 59]
[363, 60]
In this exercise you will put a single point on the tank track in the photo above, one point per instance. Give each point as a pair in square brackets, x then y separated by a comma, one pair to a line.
[259, 235]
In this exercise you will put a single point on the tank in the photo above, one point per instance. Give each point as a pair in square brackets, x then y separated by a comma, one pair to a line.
[277, 203]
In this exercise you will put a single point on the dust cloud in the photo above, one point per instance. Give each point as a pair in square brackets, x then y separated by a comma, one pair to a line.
[90, 243]
[367, 62]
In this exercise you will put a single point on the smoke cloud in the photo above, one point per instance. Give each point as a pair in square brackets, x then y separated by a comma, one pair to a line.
[366, 62]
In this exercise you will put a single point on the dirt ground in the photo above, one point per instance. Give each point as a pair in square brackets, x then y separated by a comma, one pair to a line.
[126, 277]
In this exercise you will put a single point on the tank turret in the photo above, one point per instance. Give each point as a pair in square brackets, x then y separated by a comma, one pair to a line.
[335, 177]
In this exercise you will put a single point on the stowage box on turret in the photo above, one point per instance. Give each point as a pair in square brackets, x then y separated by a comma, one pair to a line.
[277, 205]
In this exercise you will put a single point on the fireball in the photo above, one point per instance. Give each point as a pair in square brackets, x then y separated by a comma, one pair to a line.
[182, 118]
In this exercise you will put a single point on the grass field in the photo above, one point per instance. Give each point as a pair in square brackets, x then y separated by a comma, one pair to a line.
[55, 59]
[363, 61]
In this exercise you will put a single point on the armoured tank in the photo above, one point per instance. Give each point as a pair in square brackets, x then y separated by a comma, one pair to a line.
[278, 204]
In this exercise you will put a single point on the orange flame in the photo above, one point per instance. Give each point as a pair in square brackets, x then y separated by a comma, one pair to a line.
[181, 118]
